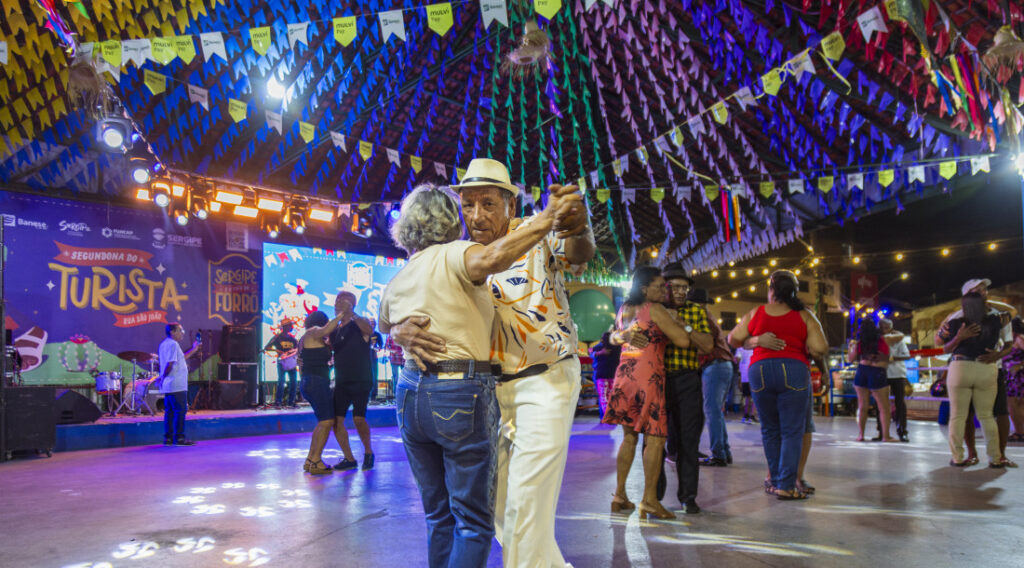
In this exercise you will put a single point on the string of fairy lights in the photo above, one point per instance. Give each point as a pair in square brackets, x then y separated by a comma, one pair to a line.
[813, 261]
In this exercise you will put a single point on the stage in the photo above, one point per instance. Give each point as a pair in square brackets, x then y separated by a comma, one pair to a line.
[246, 502]
[122, 431]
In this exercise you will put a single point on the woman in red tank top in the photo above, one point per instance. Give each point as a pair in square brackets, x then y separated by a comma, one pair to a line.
[782, 334]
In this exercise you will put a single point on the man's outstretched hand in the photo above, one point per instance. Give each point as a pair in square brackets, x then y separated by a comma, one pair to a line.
[419, 344]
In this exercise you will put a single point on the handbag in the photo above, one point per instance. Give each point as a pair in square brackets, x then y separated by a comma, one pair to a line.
[938, 388]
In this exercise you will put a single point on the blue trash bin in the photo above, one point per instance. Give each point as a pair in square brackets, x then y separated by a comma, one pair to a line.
[944, 412]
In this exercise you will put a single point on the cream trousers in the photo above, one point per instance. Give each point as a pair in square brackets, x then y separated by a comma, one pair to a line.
[536, 421]
[967, 381]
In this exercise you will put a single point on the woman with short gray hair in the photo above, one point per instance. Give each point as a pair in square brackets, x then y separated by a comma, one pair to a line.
[447, 411]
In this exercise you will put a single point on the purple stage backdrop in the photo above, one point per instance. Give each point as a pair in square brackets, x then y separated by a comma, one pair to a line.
[86, 281]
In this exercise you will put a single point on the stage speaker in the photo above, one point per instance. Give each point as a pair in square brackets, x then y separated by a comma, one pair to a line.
[238, 344]
[73, 408]
[231, 395]
[29, 419]
[246, 373]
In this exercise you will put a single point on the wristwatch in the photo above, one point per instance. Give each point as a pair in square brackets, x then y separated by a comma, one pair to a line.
[688, 328]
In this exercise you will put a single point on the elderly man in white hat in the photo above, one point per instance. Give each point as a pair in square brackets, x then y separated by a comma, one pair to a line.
[535, 342]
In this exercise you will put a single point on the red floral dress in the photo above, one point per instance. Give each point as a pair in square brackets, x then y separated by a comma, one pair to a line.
[638, 394]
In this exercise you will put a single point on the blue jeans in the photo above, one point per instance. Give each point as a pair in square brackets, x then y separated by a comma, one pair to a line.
[779, 388]
[716, 379]
[450, 432]
[175, 407]
[279, 393]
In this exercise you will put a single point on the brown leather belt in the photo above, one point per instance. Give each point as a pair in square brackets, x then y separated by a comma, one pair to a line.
[463, 366]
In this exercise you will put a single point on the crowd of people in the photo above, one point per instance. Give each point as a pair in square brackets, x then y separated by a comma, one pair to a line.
[485, 351]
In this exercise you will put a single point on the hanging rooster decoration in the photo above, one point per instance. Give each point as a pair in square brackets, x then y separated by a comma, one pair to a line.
[533, 53]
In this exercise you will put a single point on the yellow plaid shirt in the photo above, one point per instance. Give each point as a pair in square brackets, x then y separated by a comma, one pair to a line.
[677, 358]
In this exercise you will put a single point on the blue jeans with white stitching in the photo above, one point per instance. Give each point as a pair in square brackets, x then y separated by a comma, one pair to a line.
[450, 431]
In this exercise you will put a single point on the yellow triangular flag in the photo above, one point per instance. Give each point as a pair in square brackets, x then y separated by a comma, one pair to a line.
[345, 30]
[893, 9]
[185, 47]
[767, 188]
[582, 184]
[307, 131]
[603, 194]
[111, 51]
[237, 109]
[161, 50]
[617, 167]
[154, 81]
[416, 162]
[439, 17]
[657, 194]
[833, 46]
[772, 81]
[460, 173]
[885, 177]
[365, 149]
[720, 112]
[711, 191]
[547, 8]
[260, 39]
[825, 183]
[947, 169]
[535, 191]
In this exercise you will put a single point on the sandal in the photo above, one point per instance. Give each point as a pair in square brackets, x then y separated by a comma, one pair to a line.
[804, 487]
[769, 489]
[1005, 462]
[955, 463]
[791, 495]
[621, 504]
[317, 467]
[971, 461]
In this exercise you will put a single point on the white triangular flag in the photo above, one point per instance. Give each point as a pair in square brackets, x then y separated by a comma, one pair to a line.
[102, 65]
[980, 165]
[339, 140]
[803, 64]
[3, 52]
[298, 33]
[855, 180]
[696, 125]
[796, 186]
[199, 95]
[745, 98]
[393, 157]
[440, 169]
[739, 190]
[136, 51]
[85, 49]
[344, 210]
[392, 23]
[493, 10]
[915, 173]
[274, 120]
[213, 44]
[870, 22]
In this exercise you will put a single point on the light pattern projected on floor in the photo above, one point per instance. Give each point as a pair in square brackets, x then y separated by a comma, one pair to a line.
[152, 551]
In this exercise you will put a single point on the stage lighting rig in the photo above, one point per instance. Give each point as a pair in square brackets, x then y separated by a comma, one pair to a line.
[270, 223]
[295, 218]
[161, 191]
[114, 134]
[139, 168]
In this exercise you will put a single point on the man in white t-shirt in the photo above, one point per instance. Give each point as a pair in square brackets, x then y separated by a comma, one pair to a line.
[896, 375]
[173, 383]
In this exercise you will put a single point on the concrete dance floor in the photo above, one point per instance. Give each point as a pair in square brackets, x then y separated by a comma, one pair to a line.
[246, 502]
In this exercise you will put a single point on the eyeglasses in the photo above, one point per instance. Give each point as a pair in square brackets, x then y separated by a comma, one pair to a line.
[679, 287]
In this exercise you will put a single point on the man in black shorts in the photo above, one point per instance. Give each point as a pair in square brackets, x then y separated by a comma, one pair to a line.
[353, 378]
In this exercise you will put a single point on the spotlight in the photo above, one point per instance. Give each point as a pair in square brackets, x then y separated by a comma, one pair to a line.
[396, 212]
[797, 272]
[732, 274]
[856, 260]
[896, 314]
[764, 272]
[361, 225]
[295, 219]
[945, 252]
[732, 263]
[140, 170]
[654, 253]
[181, 217]
[321, 214]
[275, 89]
[992, 246]
[772, 262]
[735, 294]
[753, 288]
[231, 197]
[718, 299]
[904, 276]
[719, 321]
[899, 257]
[714, 274]
[200, 208]
[114, 134]
[161, 193]
[750, 272]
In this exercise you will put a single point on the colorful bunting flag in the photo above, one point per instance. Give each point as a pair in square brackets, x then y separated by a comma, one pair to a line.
[767, 188]
[871, 22]
[886, 177]
[392, 23]
[345, 30]
[535, 192]
[771, 82]
[260, 39]
[298, 33]
[493, 10]
[855, 181]
[213, 44]
[603, 194]
[184, 47]
[365, 149]
[307, 131]
[582, 183]
[825, 184]
[393, 156]
[439, 17]
[947, 169]
[720, 112]
[440, 170]
[915, 173]
[657, 194]
[4, 53]
[339, 141]
[136, 51]
[162, 50]
[980, 164]
[111, 52]
[547, 8]
[238, 110]
[833, 46]
[156, 82]
[711, 191]
[416, 162]
[199, 95]
[893, 9]
[460, 173]
[274, 121]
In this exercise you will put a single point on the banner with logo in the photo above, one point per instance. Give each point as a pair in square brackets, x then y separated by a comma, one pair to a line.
[86, 281]
[300, 280]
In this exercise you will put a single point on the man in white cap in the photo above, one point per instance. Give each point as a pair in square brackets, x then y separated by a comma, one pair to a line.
[535, 342]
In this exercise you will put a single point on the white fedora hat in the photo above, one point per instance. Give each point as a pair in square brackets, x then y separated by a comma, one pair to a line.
[485, 172]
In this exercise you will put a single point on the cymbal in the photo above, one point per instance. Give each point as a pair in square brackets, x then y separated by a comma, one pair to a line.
[136, 356]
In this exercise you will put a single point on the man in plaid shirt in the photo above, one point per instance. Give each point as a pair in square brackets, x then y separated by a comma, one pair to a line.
[683, 395]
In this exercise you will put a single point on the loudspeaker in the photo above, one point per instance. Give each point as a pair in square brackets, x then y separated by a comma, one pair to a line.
[245, 373]
[28, 416]
[231, 395]
[238, 344]
[73, 408]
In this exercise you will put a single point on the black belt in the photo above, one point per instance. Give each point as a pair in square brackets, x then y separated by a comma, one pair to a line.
[531, 371]
[962, 358]
[462, 366]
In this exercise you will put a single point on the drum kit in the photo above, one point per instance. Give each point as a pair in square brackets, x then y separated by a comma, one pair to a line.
[133, 391]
